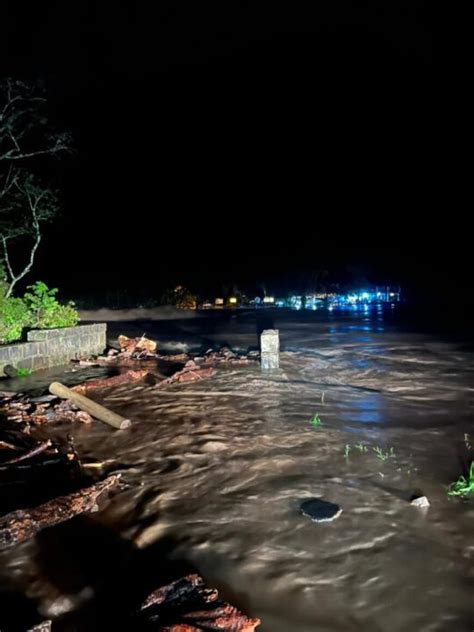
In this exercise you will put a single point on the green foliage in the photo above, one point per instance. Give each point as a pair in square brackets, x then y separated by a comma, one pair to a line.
[315, 420]
[37, 309]
[14, 317]
[347, 449]
[23, 372]
[46, 312]
[463, 486]
[383, 456]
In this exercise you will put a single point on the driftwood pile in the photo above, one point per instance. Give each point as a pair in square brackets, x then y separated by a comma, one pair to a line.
[141, 346]
[144, 349]
[37, 411]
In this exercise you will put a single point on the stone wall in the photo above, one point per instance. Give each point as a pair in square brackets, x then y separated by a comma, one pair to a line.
[51, 347]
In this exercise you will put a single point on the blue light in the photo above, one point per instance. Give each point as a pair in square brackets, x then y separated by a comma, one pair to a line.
[359, 298]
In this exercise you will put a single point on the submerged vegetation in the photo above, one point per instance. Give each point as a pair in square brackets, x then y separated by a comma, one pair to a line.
[464, 486]
[315, 420]
[383, 456]
[362, 448]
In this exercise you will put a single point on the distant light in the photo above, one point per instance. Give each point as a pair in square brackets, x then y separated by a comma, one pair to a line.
[365, 296]
[233, 300]
[392, 294]
[219, 301]
[268, 299]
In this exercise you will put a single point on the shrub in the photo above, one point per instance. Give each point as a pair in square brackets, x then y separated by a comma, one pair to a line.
[14, 317]
[45, 310]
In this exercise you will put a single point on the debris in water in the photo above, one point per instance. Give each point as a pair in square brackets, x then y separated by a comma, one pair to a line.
[106, 382]
[186, 605]
[25, 523]
[320, 510]
[223, 356]
[134, 345]
[420, 501]
[89, 406]
[190, 373]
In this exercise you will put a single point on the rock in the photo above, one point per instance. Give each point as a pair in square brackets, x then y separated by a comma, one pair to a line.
[10, 371]
[320, 510]
[421, 501]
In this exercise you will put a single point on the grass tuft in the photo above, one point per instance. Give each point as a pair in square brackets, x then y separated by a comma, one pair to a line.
[23, 372]
[315, 420]
[463, 486]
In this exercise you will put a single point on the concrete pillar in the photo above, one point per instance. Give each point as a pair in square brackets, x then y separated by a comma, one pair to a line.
[270, 349]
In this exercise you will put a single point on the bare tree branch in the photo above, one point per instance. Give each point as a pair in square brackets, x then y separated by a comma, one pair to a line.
[41, 204]
[25, 203]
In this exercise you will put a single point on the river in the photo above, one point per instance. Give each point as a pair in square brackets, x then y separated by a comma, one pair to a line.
[215, 472]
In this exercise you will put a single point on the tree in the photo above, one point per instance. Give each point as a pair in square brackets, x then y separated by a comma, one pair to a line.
[26, 206]
[26, 203]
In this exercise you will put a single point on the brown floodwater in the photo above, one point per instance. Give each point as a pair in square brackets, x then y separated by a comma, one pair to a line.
[215, 472]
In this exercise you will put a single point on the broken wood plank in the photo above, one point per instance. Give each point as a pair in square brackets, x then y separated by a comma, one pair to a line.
[107, 382]
[23, 524]
[84, 403]
[187, 605]
[34, 451]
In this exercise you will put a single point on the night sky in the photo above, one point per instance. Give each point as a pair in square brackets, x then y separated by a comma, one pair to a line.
[240, 142]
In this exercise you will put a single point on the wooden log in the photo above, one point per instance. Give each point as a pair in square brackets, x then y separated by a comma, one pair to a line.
[25, 523]
[84, 403]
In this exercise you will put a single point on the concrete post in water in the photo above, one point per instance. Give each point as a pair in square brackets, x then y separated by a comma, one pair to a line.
[270, 349]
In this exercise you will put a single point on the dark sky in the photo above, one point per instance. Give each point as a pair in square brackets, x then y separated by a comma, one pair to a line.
[238, 141]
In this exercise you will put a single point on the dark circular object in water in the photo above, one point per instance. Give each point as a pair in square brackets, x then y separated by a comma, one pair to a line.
[320, 510]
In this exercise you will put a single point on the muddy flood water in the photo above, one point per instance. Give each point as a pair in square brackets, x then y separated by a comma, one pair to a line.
[216, 471]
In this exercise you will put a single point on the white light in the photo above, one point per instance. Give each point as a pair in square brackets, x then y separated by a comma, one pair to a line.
[269, 299]
[219, 301]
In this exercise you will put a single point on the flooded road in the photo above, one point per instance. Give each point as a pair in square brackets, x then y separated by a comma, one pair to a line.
[216, 471]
